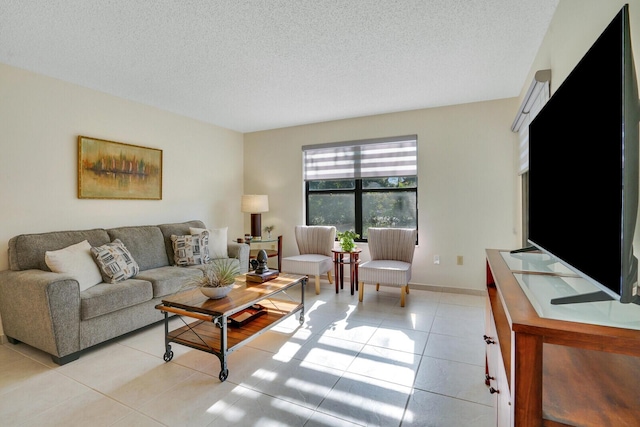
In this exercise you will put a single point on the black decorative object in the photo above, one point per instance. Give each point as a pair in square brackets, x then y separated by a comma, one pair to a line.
[262, 273]
[262, 262]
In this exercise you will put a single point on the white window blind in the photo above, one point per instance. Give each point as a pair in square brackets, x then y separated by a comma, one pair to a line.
[384, 157]
[535, 99]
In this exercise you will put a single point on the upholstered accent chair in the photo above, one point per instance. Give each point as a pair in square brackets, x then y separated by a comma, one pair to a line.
[391, 251]
[314, 245]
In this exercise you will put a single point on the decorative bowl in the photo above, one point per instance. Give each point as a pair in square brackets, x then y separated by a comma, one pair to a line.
[216, 293]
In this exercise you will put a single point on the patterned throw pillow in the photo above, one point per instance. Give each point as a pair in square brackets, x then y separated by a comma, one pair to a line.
[115, 261]
[191, 249]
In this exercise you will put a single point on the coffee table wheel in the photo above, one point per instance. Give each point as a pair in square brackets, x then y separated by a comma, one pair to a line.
[301, 320]
[223, 374]
[168, 355]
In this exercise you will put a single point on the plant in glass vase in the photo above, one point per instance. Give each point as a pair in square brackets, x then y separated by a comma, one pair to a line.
[269, 229]
[345, 238]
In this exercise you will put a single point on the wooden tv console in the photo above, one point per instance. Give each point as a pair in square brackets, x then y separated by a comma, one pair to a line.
[549, 372]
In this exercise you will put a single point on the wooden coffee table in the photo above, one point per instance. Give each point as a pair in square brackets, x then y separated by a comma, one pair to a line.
[211, 332]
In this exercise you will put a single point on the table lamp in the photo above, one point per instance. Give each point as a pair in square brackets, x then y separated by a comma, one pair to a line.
[255, 204]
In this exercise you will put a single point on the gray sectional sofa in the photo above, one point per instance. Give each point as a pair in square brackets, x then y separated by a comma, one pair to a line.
[48, 311]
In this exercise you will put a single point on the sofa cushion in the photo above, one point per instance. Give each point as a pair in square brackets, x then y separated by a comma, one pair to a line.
[27, 251]
[191, 249]
[217, 241]
[107, 297]
[168, 280]
[77, 262]
[178, 229]
[115, 262]
[145, 243]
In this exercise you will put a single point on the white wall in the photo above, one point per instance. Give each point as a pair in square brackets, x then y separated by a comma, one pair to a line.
[40, 120]
[575, 27]
[467, 182]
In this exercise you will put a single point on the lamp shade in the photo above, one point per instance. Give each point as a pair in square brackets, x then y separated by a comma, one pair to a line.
[255, 203]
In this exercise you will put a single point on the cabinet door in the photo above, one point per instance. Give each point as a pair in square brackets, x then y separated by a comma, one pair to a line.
[503, 397]
[496, 374]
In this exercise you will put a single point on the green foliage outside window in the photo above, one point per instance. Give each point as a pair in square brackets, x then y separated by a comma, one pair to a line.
[379, 202]
[390, 182]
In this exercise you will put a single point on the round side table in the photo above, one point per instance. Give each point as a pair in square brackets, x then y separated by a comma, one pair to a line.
[338, 263]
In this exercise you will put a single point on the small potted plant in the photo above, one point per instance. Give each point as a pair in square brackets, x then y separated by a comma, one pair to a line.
[218, 278]
[345, 238]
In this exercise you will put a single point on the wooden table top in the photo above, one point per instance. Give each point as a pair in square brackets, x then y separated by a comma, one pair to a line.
[244, 294]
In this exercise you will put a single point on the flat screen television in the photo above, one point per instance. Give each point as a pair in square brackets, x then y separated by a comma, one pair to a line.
[583, 169]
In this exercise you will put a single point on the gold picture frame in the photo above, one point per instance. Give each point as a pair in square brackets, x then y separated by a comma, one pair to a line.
[114, 170]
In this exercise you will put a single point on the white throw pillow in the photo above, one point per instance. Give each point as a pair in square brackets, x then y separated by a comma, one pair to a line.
[77, 262]
[217, 241]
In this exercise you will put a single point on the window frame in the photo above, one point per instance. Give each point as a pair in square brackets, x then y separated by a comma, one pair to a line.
[358, 191]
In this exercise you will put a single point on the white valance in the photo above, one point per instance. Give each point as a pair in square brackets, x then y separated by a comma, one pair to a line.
[383, 157]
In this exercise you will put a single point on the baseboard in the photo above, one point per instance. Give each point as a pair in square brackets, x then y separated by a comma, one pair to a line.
[434, 288]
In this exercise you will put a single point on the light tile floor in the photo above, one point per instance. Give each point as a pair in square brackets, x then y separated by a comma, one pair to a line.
[350, 364]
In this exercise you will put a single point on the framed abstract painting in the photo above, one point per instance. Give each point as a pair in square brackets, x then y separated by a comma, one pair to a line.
[113, 170]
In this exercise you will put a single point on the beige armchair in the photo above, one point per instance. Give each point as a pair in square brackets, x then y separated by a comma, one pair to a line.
[391, 251]
[314, 245]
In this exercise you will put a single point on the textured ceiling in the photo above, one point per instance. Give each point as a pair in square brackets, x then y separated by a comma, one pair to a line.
[251, 65]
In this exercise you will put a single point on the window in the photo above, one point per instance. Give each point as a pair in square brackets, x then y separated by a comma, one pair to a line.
[360, 184]
[534, 100]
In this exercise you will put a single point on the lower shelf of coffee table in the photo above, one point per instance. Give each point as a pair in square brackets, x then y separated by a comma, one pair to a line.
[206, 336]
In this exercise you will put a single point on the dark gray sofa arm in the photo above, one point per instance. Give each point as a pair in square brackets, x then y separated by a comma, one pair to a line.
[41, 309]
[240, 251]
